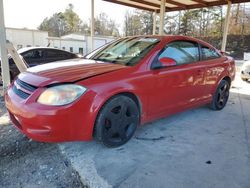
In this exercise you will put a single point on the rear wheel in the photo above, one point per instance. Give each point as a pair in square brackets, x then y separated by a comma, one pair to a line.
[117, 121]
[221, 96]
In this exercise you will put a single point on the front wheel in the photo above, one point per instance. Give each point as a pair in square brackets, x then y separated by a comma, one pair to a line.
[117, 121]
[221, 96]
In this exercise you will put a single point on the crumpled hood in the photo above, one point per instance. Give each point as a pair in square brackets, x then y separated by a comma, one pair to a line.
[66, 71]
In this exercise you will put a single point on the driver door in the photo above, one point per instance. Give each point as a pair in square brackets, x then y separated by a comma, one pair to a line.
[179, 86]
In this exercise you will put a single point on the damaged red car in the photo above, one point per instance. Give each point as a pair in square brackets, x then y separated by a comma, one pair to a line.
[113, 90]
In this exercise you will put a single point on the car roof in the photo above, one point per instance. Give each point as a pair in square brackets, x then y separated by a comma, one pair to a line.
[25, 49]
[174, 37]
[162, 36]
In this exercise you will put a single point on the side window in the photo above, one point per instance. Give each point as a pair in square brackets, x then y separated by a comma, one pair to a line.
[52, 54]
[208, 53]
[36, 54]
[64, 55]
[28, 54]
[182, 52]
[58, 54]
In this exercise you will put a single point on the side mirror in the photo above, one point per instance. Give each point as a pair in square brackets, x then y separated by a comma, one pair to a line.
[167, 62]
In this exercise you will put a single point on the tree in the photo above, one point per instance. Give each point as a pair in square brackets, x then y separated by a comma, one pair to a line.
[138, 22]
[132, 24]
[241, 20]
[72, 19]
[63, 23]
[172, 23]
[105, 26]
[201, 22]
[55, 25]
[84, 28]
[146, 18]
[69, 22]
[185, 26]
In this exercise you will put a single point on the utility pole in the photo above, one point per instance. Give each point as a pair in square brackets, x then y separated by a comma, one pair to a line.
[4, 57]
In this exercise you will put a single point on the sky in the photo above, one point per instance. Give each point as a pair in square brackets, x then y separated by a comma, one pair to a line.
[30, 13]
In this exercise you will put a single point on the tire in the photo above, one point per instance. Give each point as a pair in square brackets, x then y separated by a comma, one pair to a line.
[117, 121]
[221, 96]
[244, 79]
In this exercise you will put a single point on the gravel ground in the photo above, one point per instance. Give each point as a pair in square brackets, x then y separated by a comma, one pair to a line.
[26, 163]
[29, 164]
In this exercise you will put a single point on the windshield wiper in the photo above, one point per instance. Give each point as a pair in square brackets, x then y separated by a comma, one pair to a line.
[105, 60]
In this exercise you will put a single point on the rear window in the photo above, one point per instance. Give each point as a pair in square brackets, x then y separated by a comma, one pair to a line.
[58, 54]
[208, 53]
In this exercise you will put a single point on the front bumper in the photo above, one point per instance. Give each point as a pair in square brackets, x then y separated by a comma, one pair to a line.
[73, 122]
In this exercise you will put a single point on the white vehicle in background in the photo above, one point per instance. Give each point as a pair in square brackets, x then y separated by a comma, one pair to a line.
[245, 71]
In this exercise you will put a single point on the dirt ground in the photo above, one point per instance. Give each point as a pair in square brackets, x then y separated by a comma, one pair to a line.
[29, 164]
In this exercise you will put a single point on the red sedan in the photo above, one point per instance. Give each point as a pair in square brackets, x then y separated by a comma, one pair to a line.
[128, 82]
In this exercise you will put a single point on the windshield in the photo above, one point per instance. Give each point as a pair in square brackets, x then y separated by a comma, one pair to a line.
[127, 51]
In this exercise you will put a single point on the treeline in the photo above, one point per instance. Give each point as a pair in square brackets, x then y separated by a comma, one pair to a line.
[66, 22]
[205, 23]
[236, 44]
[198, 22]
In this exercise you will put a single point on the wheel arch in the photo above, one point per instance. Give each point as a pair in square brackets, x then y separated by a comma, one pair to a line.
[134, 97]
[228, 79]
[214, 104]
[224, 77]
[129, 94]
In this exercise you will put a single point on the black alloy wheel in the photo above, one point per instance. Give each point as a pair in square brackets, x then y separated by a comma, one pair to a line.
[117, 121]
[221, 96]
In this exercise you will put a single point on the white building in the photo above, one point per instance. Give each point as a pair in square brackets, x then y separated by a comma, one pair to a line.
[76, 43]
[71, 45]
[26, 37]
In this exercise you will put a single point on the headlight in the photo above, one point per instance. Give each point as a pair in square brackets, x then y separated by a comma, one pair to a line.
[61, 94]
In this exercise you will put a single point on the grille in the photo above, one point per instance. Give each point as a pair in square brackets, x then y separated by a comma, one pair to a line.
[26, 86]
[23, 89]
